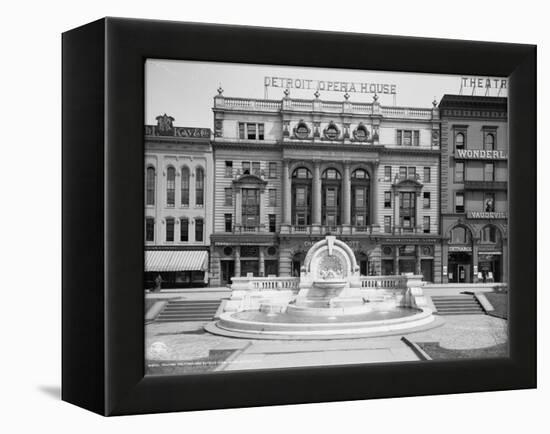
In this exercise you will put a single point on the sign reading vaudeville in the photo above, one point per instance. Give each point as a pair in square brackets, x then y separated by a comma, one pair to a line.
[486, 215]
[331, 85]
[480, 154]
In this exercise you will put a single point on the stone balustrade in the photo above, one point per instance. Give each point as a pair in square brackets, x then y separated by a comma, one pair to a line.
[403, 281]
[319, 105]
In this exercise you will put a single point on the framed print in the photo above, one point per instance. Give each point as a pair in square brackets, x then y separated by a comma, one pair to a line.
[282, 216]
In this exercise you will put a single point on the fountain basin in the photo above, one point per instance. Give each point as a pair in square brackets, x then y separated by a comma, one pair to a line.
[259, 325]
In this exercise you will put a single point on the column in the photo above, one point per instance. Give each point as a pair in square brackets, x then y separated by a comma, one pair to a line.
[374, 193]
[237, 261]
[395, 209]
[287, 195]
[346, 218]
[475, 261]
[316, 203]
[238, 207]
[418, 218]
[396, 260]
[418, 264]
[262, 264]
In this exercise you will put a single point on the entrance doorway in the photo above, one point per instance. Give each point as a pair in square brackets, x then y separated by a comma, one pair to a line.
[297, 262]
[228, 271]
[489, 268]
[407, 266]
[271, 267]
[460, 267]
[249, 267]
[427, 267]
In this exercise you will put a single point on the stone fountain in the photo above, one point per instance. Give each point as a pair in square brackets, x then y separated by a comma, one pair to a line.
[329, 302]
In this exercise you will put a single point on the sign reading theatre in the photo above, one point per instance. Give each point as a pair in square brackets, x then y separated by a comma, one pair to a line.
[330, 85]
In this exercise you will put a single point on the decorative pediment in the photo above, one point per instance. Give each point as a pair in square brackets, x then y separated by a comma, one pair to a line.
[407, 184]
[249, 179]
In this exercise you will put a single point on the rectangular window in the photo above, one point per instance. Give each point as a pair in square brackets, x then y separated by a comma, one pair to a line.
[489, 202]
[407, 210]
[426, 224]
[169, 229]
[387, 199]
[272, 223]
[459, 202]
[199, 229]
[399, 138]
[251, 131]
[411, 172]
[300, 196]
[184, 229]
[228, 220]
[387, 224]
[427, 175]
[387, 173]
[229, 169]
[272, 170]
[256, 168]
[331, 196]
[489, 172]
[228, 197]
[241, 130]
[459, 171]
[272, 197]
[250, 207]
[407, 138]
[149, 229]
[416, 138]
[260, 131]
[402, 172]
[246, 167]
[427, 200]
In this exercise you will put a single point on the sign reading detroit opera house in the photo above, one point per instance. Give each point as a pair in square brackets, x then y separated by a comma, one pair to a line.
[330, 85]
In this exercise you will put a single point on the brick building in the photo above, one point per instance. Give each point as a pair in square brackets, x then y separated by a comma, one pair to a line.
[474, 184]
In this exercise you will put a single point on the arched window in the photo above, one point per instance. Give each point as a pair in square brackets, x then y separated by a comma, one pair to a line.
[170, 186]
[150, 186]
[459, 141]
[301, 196]
[460, 235]
[490, 234]
[489, 141]
[185, 186]
[330, 202]
[199, 186]
[360, 197]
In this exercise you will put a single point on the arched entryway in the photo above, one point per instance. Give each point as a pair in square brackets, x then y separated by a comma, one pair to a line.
[301, 196]
[460, 268]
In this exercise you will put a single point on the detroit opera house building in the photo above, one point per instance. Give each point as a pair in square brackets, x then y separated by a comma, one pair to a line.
[290, 171]
[276, 175]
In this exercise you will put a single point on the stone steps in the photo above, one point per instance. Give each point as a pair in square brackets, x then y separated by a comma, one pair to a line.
[188, 310]
[457, 305]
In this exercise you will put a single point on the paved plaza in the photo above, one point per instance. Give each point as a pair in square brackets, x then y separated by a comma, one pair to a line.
[185, 347]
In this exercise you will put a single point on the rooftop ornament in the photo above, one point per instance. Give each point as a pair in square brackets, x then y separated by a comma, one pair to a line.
[220, 90]
[317, 94]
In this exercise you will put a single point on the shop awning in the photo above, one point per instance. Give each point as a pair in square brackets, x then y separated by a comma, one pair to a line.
[176, 260]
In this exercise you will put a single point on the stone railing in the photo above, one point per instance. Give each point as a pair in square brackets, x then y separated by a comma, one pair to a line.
[334, 230]
[265, 283]
[320, 105]
[292, 283]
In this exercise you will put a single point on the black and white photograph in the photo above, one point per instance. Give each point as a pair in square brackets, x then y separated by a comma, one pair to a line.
[299, 217]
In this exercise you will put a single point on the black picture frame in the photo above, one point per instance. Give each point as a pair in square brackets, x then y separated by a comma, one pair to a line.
[103, 256]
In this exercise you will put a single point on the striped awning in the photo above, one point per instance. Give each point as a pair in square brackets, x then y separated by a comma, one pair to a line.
[176, 260]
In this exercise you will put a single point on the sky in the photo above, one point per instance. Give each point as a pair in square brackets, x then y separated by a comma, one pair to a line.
[185, 89]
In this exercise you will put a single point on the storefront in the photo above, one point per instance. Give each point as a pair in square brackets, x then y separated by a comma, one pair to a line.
[176, 268]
